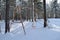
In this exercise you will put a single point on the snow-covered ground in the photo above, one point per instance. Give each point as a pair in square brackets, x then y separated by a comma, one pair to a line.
[51, 32]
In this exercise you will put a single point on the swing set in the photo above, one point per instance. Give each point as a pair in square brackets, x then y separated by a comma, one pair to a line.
[17, 10]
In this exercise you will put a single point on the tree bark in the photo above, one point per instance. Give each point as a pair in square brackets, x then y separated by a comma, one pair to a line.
[0, 29]
[45, 19]
[0, 17]
[7, 28]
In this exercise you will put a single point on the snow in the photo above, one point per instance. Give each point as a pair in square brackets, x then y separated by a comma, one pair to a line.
[51, 32]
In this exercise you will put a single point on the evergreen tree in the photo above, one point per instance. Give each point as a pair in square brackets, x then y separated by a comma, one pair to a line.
[54, 6]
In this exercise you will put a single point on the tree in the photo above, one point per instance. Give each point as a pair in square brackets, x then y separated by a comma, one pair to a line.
[0, 20]
[38, 7]
[7, 28]
[54, 6]
[45, 19]
[0, 16]
[35, 4]
[19, 9]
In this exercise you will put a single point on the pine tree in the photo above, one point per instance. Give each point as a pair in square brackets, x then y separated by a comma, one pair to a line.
[54, 6]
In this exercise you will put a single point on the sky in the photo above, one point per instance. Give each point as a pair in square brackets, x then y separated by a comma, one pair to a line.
[48, 1]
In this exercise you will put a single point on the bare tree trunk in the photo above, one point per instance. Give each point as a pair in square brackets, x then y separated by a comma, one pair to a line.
[33, 13]
[13, 15]
[0, 16]
[35, 9]
[0, 29]
[0, 20]
[27, 15]
[35, 17]
[33, 25]
[7, 28]
[55, 12]
[45, 20]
